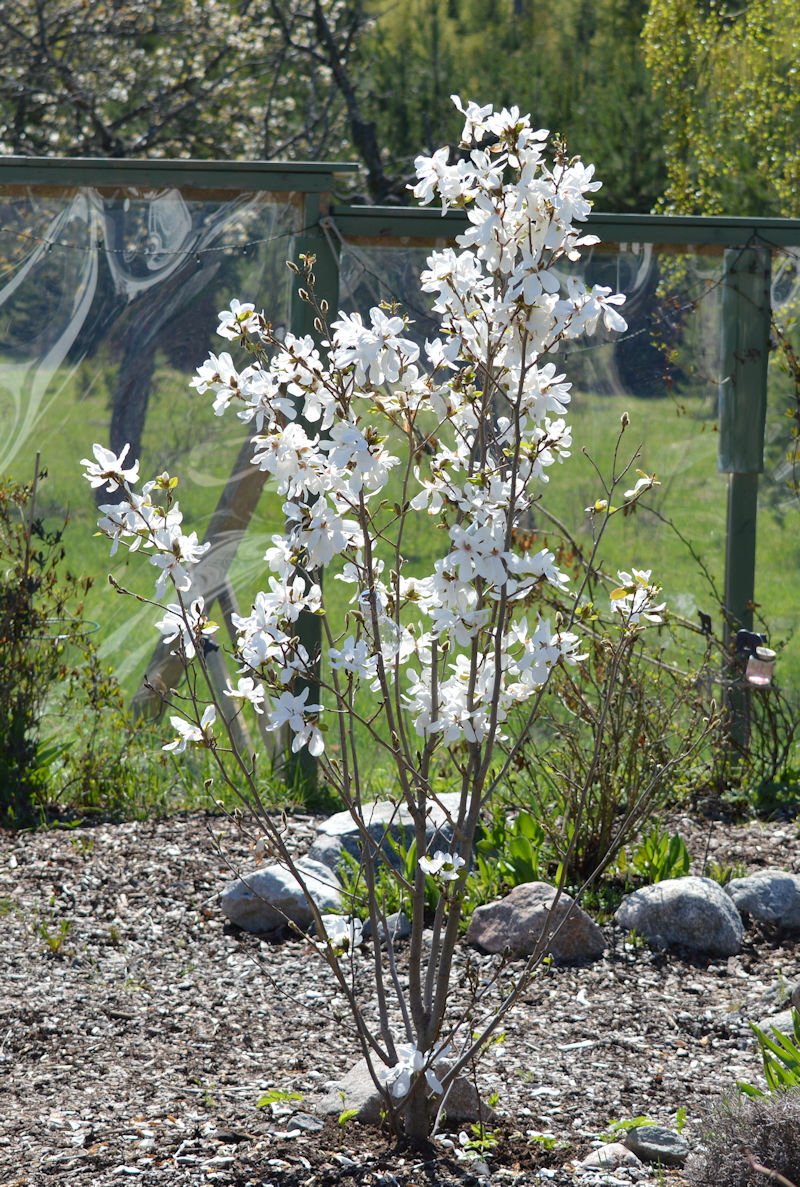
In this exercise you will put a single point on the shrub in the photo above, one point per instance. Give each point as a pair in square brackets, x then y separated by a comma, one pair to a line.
[40, 612]
[97, 758]
[621, 733]
[763, 1129]
[445, 657]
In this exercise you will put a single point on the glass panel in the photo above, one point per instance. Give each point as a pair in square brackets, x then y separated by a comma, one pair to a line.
[108, 302]
[778, 540]
[663, 372]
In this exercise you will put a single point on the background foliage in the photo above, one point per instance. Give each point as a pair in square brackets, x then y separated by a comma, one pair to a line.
[689, 105]
[727, 81]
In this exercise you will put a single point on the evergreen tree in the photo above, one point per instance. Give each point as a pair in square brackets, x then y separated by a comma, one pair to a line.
[579, 69]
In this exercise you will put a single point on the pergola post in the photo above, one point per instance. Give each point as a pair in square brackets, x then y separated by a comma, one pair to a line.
[746, 322]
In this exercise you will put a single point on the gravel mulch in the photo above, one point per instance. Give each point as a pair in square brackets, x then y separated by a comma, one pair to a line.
[138, 1032]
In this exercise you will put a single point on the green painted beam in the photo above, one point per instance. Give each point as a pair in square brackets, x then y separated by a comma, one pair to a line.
[740, 553]
[420, 223]
[744, 354]
[275, 176]
[740, 569]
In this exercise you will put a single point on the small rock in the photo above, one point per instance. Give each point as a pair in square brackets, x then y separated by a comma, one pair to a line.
[383, 818]
[654, 1143]
[270, 897]
[516, 923]
[306, 1122]
[398, 925]
[688, 912]
[772, 896]
[784, 1022]
[610, 1157]
[357, 1090]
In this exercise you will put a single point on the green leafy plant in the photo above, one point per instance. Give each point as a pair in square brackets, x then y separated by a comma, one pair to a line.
[725, 874]
[621, 1126]
[660, 856]
[278, 1096]
[511, 851]
[38, 616]
[54, 941]
[780, 1055]
[67, 745]
[480, 1141]
[548, 1141]
[612, 748]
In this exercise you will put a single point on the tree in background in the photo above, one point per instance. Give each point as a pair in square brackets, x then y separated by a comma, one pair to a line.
[727, 77]
[172, 78]
[579, 68]
[309, 79]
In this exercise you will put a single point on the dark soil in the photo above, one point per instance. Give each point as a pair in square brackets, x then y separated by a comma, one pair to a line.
[138, 1032]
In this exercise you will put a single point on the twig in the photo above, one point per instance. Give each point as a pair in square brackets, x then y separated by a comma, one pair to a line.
[773, 1176]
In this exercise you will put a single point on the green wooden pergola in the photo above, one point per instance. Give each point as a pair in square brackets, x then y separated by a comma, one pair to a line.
[321, 224]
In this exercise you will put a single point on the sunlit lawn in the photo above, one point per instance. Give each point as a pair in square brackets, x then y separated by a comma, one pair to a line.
[183, 436]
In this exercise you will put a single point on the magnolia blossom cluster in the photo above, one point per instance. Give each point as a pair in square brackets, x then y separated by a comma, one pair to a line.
[142, 521]
[636, 598]
[483, 406]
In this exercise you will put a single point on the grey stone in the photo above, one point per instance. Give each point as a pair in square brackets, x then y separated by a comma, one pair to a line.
[357, 1091]
[268, 898]
[340, 832]
[654, 1143]
[398, 925]
[517, 922]
[772, 896]
[306, 1122]
[688, 912]
[610, 1157]
[784, 1022]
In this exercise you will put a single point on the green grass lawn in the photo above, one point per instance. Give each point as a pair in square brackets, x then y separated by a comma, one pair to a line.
[183, 435]
[681, 450]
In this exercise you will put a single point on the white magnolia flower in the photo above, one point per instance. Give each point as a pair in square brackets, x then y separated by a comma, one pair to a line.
[643, 482]
[378, 351]
[187, 623]
[411, 1062]
[247, 690]
[134, 518]
[636, 597]
[443, 866]
[199, 735]
[108, 469]
[219, 374]
[240, 319]
[354, 657]
[290, 709]
[321, 532]
[177, 555]
[344, 934]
